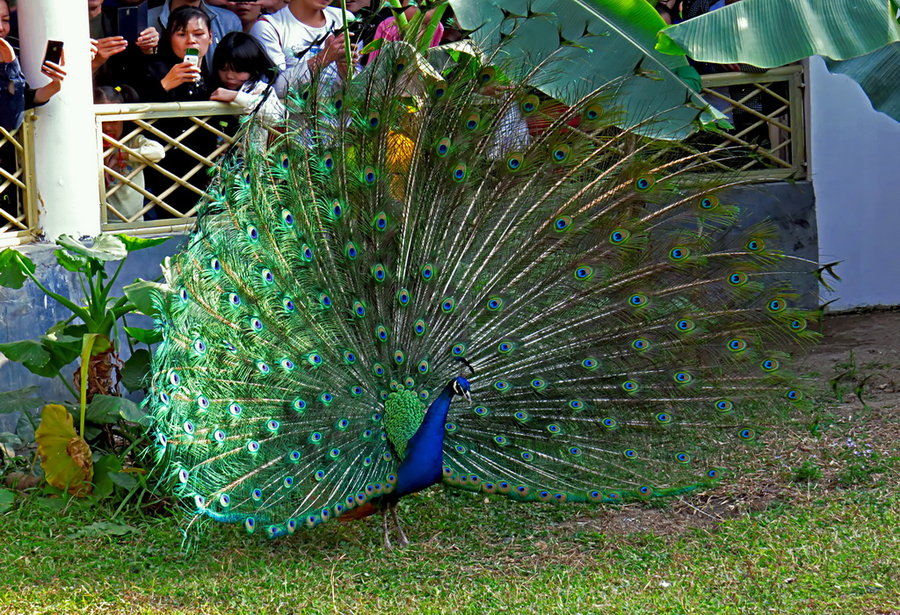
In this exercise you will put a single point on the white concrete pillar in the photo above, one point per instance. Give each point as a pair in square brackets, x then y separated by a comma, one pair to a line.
[65, 141]
[854, 152]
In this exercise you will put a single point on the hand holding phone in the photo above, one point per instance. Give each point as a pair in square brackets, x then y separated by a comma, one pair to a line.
[132, 21]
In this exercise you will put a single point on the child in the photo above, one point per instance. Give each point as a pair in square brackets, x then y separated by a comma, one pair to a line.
[126, 199]
[244, 72]
[300, 40]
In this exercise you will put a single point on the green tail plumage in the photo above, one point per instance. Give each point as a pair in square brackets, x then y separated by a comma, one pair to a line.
[619, 334]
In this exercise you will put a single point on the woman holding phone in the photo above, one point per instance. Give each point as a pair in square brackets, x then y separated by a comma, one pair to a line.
[179, 72]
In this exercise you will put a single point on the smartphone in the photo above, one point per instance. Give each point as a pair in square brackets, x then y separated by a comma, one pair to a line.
[54, 52]
[192, 56]
[132, 20]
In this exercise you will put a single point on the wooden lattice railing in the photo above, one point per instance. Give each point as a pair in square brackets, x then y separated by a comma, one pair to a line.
[766, 109]
[143, 193]
[17, 218]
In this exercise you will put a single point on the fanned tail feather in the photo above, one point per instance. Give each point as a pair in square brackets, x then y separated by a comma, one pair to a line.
[622, 333]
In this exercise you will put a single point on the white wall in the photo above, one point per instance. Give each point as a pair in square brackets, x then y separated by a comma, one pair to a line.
[855, 164]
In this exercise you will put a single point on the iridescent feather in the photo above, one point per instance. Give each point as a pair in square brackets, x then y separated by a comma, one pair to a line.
[616, 331]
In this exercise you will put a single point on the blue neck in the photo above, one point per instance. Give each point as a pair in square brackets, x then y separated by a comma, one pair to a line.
[422, 466]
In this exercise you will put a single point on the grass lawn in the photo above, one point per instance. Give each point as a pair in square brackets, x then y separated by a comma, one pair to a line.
[788, 547]
[812, 525]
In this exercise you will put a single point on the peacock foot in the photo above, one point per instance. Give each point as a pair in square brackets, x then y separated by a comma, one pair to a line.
[391, 510]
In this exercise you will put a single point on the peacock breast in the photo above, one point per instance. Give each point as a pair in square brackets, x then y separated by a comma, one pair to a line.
[403, 415]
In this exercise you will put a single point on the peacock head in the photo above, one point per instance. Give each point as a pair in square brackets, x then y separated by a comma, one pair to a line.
[461, 386]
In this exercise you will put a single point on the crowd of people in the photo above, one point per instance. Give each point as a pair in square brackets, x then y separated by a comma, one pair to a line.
[235, 51]
[245, 52]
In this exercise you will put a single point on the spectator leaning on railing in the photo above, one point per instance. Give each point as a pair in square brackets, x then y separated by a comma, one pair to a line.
[244, 74]
[172, 77]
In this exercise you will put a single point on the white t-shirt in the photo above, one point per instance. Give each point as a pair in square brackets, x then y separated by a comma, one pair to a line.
[291, 43]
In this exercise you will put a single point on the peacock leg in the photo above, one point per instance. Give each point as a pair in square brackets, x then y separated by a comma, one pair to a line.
[385, 530]
[393, 508]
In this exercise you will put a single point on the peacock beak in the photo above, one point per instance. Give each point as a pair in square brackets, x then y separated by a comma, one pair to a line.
[468, 396]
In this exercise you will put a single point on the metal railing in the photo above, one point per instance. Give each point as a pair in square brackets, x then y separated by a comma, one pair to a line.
[143, 193]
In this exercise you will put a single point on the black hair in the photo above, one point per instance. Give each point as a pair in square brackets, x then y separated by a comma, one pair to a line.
[119, 94]
[242, 53]
[182, 16]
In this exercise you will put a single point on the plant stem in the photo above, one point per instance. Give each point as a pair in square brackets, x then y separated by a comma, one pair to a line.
[425, 41]
[114, 277]
[68, 386]
[400, 15]
[87, 345]
[347, 54]
[75, 309]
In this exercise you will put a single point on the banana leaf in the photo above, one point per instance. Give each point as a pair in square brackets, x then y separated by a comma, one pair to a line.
[768, 33]
[584, 44]
[878, 73]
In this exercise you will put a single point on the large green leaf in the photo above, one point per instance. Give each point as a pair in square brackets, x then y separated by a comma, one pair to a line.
[20, 400]
[73, 262]
[136, 369]
[104, 247]
[105, 409]
[581, 45]
[768, 33]
[145, 336]
[14, 267]
[142, 294]
[29, 353]
[140, 243]
[878, 73]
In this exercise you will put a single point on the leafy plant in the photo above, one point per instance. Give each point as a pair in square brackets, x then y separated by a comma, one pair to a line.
[90, 336]
[589, 43]
[860, 39]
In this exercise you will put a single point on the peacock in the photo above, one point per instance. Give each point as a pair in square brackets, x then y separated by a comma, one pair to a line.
[431, 274]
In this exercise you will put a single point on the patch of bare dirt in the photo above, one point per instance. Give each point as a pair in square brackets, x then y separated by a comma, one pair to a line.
[857, 370]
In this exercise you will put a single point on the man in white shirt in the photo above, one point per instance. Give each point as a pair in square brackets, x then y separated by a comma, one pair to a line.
[300, 40]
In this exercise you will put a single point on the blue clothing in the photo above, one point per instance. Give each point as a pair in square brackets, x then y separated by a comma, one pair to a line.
[12, 95]
[222, 21]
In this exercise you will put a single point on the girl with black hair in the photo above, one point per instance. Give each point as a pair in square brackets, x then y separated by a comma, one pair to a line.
[245, 74]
